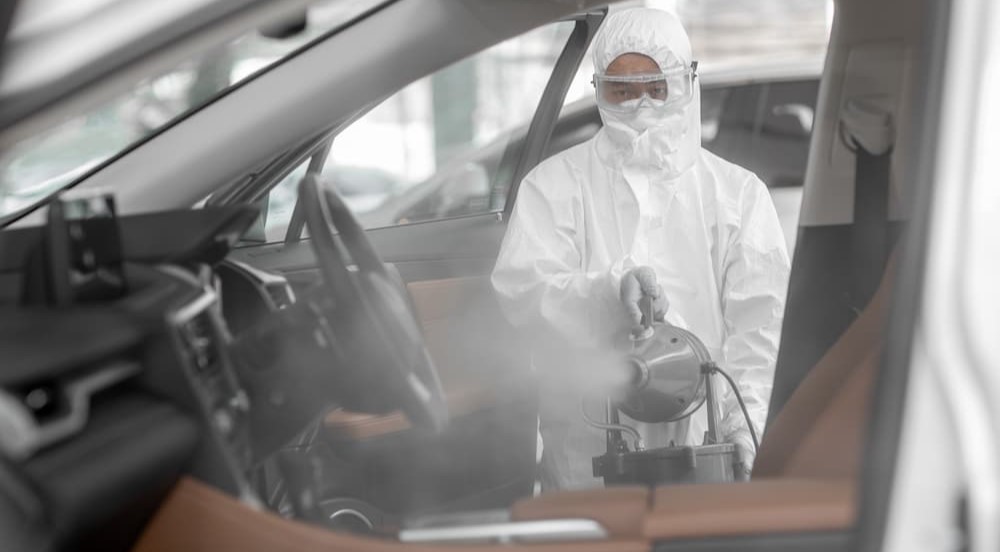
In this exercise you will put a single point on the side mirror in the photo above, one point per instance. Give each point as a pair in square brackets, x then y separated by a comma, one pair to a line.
[256, 233]
[791, 119]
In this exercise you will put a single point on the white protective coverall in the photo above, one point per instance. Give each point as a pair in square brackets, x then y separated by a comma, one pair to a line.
[643, 192]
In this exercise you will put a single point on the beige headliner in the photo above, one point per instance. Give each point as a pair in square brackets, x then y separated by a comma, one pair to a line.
[873, 48]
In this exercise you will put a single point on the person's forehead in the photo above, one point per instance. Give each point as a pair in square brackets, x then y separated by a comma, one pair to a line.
[632, 63]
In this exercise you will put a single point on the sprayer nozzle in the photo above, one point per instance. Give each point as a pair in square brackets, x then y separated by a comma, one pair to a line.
[638, 372]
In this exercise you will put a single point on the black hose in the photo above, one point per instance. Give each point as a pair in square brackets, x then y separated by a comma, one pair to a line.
[743, 407]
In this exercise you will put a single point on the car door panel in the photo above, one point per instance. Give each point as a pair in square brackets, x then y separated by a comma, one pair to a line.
[465, 246]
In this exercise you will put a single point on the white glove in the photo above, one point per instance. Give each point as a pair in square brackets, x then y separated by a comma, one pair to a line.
[744, 454]
[637, 283]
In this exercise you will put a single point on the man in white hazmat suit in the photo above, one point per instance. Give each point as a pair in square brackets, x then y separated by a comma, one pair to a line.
[639, 209]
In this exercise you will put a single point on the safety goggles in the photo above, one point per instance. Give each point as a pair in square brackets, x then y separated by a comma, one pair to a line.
[662, 90]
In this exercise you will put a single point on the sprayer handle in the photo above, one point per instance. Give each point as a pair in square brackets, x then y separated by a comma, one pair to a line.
[646, 307]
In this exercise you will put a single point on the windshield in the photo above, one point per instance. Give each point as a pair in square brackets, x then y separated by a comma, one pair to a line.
[35, 168]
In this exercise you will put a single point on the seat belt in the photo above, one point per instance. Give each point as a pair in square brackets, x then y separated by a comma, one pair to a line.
[866, 125]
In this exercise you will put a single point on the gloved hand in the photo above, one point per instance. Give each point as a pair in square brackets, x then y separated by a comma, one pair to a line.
[744, 455]
[639, 282]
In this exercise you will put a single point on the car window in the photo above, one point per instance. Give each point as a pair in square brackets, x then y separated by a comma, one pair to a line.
[736, 124]
[782, 142]
[712, 100]
[432, 150]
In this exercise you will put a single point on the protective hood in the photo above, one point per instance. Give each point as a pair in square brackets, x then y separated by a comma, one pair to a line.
[666, 140]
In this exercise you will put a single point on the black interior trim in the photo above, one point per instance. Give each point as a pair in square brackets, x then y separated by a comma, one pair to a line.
[43, 343]
[180, 236]
[814, 542]
[101, 487]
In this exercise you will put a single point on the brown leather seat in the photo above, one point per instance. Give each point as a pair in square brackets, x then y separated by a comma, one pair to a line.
[819, 431]
[804, 478]
[346, 425]
[471, 345]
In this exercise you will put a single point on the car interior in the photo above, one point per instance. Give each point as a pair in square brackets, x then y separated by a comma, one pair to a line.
[359, 389]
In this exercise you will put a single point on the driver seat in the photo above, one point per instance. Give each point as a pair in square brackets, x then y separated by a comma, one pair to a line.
[485, 458]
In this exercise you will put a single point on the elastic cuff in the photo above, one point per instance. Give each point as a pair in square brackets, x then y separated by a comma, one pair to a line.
[740, 437]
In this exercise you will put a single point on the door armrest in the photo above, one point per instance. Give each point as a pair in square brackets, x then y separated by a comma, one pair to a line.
[762, 507]
[765, 506]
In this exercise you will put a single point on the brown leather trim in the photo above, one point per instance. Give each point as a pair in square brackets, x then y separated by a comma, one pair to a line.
[356, 426]
[198, 518]
[796, 426]
[440, 299]
[466, 332]
[754, 508]
[620, 510]
[833, 447]
[473, 348]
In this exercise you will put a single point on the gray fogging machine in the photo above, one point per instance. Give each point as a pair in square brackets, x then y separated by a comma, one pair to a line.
[670, 378]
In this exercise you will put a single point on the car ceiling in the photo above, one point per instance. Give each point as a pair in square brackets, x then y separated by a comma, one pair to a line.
[309, 93]
[62, 57]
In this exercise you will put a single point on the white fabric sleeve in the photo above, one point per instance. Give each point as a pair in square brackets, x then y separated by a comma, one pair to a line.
[755, 282]
[539, 279]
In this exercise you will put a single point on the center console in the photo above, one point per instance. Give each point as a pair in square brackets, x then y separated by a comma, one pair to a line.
[201, 337]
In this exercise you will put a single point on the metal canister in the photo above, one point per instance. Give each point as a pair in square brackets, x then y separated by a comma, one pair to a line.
[667, 379]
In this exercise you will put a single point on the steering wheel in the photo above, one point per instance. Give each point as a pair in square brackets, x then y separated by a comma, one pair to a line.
[390, 367]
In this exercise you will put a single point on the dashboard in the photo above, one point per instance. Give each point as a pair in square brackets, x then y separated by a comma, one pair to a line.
[105, 404]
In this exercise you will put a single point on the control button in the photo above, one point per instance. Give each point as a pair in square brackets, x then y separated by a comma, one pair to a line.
[223, 421]
[276, 398]
[38, 398]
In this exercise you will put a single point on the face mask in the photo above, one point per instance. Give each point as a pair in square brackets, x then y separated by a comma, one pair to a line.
[650, 137]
